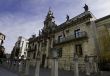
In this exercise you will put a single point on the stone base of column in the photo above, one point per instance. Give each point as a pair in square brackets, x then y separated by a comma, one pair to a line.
[54, 69]
[37, 70]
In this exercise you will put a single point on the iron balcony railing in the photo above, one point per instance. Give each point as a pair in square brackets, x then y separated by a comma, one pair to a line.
[80, 35]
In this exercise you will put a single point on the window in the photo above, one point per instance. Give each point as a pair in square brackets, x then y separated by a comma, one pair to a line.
[78, 49]
[34, 55]
[60, 52]
[77, 33]
[35, 47]
[59, 38]
[22, 43]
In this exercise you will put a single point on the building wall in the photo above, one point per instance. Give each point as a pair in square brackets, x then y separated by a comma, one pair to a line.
[103, 30]
[20, 48]
[68, 48]
[2, 49]
[2, 38]
[23, 47]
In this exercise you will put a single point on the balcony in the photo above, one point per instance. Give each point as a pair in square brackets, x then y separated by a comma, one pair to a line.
[80, 36]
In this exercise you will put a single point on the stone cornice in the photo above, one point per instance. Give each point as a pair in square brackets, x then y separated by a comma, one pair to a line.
[74, 21]
[103, 18]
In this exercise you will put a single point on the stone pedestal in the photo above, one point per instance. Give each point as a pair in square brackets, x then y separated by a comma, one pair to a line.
[87, 68]
[27, 67]
[20, 66]
[54, 68]
[87, 65]
[76, 69]
[37, 70]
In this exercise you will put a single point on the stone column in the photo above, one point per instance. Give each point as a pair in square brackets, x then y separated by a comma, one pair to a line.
[54, 57]
[87, 65]
[47, 49]
[96, 43]
[52, 62]
[27, 67]
[54, 69]
[20, 66]
[95, 65]
[15, 65]
[12, 64]
[76, 69]
[38, 56]
[37, 70]
[8, 64]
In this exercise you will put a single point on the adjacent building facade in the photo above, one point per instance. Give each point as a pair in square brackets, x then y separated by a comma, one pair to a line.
[103, 36]
[20, 48]
[2, 49]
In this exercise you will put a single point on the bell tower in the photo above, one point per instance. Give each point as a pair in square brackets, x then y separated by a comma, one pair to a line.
[49, 19]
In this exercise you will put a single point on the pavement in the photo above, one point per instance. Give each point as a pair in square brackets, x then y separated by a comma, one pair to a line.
[43, 72]
[4, 72]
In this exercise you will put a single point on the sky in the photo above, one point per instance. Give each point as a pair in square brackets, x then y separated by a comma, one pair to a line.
[25, 17]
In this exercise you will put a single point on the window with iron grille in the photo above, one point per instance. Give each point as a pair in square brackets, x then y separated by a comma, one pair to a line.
[78, 49]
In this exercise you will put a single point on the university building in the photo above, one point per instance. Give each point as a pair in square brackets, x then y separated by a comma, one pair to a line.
[83, 35]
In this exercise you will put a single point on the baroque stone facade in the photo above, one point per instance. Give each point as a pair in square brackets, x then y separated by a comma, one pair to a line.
[75, 36]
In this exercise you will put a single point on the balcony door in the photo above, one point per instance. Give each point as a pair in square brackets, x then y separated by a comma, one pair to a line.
[59, 38]
[77, 33]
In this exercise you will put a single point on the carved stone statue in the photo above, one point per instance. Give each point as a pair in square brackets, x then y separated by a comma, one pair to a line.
[86, 7]
[67, 17]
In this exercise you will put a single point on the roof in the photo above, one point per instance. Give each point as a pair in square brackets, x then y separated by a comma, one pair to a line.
[103, 18]
[74, 19]
[31, 40]
[1, 34]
